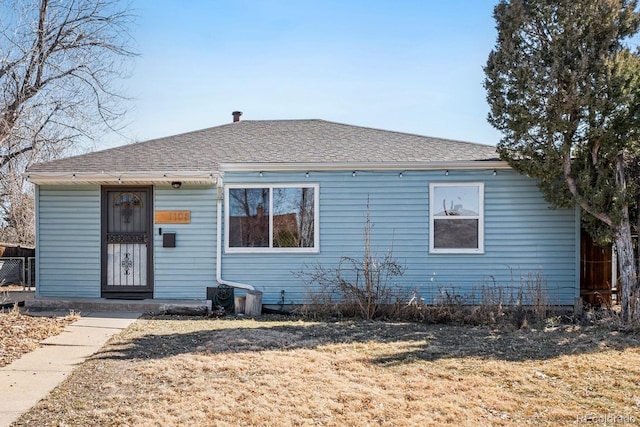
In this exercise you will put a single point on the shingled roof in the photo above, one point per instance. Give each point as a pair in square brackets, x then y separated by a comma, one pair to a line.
[270, 142]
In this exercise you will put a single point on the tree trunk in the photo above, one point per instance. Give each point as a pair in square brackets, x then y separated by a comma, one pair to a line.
[626, 257]
[637, 230]
[628, 274]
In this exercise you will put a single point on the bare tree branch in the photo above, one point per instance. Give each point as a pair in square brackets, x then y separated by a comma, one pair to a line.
[59, 60]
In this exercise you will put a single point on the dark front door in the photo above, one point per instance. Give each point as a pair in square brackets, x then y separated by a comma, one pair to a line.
[126, 237]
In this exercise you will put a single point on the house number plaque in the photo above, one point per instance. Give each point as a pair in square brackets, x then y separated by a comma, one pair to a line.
[173, 217]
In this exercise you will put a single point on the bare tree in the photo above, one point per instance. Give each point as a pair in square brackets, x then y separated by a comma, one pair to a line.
[16, 207]
[59, 64]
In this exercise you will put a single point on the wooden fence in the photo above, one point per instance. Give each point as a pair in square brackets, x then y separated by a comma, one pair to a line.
[597, 284]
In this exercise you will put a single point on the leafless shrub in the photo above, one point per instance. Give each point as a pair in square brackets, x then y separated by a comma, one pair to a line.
[355, 287]
[363, 288]
[604, 314]
[537, 294]
[491, 303]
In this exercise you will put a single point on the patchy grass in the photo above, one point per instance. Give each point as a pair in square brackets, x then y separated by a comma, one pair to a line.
[20, 333]
[191, 371]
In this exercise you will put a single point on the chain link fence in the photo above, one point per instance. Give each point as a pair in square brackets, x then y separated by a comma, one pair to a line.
[31, 272]
[15, 271]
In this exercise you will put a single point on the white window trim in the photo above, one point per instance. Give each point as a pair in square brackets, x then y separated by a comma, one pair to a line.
[271, 249]
[480, 218]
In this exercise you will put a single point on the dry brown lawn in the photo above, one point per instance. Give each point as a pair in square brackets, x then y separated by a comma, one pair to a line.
[180, 371]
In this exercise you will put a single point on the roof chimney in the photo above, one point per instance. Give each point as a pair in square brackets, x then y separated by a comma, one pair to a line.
[236, 116]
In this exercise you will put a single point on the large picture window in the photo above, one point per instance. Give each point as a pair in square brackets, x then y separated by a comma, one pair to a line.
[272, 218]
[456, 218]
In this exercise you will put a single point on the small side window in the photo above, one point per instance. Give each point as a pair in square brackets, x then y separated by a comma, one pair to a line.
[456, 218]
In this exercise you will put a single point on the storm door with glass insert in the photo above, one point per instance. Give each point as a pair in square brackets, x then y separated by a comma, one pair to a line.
[126, 253]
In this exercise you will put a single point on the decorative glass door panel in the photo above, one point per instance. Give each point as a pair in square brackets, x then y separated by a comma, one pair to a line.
[127, 230]
[126, 264]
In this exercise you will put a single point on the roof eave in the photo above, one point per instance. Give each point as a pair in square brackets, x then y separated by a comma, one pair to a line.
[203, 178]
[426, 166]
[131, 178]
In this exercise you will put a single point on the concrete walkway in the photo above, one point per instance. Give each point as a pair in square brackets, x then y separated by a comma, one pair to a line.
[30, 378]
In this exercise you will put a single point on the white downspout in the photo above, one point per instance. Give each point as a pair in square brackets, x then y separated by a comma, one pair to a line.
[219, 278]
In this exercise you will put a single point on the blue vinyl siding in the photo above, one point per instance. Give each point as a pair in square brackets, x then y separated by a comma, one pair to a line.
[523, 235]
[68, 241]
[188, 269]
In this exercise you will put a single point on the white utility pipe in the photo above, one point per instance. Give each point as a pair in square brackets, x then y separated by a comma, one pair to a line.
[219, 278]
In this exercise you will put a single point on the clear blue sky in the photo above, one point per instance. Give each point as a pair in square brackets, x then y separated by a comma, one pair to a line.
[406, 65]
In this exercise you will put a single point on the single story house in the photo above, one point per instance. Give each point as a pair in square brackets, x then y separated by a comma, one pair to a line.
[250, 203]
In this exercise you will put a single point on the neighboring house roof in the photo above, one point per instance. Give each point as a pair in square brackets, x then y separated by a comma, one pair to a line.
[264, 144]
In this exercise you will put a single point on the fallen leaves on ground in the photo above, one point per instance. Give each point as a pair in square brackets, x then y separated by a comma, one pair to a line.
[22, 333]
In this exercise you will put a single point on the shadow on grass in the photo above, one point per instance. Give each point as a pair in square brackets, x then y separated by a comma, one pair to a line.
[399, 342]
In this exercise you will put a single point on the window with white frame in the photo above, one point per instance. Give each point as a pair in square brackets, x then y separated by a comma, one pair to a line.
[456, 218]
[278, 218]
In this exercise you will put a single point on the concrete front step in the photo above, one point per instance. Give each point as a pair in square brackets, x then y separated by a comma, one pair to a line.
[155, 306]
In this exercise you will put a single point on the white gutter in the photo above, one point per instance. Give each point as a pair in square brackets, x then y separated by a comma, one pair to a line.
[372, 166]
[219, 278]
[151, 177]
[200, 177]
